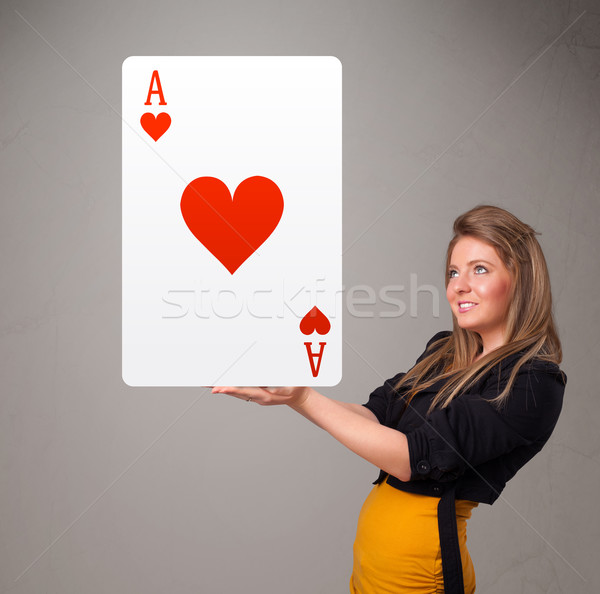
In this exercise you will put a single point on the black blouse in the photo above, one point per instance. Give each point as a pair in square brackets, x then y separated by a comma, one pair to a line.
[471, 442]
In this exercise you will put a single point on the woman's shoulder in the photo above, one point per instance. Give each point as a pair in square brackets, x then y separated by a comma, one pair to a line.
[432, 343]
[537, 366]
[537, 389]
[438, 336]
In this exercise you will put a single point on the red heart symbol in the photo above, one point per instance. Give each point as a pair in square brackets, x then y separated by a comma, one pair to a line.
[155, 126]
[232, 229]
[315, 319]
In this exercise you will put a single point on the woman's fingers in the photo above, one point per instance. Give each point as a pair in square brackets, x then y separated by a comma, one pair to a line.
[255, 394]
[265, 396]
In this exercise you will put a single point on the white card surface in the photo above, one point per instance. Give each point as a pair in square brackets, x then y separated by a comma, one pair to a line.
[232, 221]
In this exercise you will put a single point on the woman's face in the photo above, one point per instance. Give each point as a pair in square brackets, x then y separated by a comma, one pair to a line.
[479, 290]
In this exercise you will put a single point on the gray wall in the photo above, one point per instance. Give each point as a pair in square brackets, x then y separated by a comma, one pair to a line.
[104, 488]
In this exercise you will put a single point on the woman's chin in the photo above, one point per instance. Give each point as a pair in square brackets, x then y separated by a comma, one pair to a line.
[466, 325]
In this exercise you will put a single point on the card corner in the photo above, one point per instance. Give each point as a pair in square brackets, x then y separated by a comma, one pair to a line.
[127, 380]
[124, 62]
[336, 62]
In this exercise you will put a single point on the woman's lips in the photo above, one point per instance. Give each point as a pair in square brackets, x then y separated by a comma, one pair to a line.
[464, 306]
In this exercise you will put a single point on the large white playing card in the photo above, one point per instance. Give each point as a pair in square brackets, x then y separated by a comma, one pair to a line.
[232, 221]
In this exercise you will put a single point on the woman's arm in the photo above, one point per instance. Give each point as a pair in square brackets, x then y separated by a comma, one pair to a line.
[357, 408]
[384, 447]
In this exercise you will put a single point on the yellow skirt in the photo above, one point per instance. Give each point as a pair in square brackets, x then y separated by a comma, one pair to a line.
[397, 546]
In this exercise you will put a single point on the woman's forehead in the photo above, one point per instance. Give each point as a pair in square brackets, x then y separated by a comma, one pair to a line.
[468, 249]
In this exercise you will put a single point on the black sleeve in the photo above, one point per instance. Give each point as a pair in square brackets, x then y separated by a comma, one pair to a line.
[380, 398]
[471, 430]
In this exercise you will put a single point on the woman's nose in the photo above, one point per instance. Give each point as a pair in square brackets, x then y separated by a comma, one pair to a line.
[460, 285]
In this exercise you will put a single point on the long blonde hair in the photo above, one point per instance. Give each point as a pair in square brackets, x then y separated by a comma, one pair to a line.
[530, 324]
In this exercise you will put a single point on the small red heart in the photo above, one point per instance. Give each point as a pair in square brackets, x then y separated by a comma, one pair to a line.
[315, 320]
[155, 126]
[232, 229]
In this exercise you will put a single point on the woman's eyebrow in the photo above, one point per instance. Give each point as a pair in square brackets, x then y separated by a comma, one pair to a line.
[479, 260]
[471, 262]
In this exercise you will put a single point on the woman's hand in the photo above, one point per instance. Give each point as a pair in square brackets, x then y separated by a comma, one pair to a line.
[292, 396]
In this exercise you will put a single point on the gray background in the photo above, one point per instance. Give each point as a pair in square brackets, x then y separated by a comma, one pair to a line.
[110, 489]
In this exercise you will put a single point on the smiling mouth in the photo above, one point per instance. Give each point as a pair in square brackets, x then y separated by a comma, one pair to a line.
[466, 305]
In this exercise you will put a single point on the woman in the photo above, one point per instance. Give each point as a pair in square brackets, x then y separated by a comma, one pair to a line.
[479, 403]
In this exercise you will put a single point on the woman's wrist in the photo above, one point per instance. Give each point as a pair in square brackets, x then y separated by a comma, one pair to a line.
[302, 399]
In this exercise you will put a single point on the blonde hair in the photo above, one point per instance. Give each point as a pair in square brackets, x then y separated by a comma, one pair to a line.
[529, 326]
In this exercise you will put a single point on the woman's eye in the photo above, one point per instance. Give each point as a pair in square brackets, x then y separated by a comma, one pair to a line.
[478, 268]
[452, 273]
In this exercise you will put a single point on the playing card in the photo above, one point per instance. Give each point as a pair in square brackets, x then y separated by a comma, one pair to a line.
[232, 213]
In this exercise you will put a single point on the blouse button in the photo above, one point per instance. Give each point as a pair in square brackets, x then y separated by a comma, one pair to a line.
[423, 467]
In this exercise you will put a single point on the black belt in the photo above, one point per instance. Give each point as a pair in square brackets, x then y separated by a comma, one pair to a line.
[449, 544]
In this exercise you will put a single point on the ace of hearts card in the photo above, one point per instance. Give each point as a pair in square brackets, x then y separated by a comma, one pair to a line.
[232, 221]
